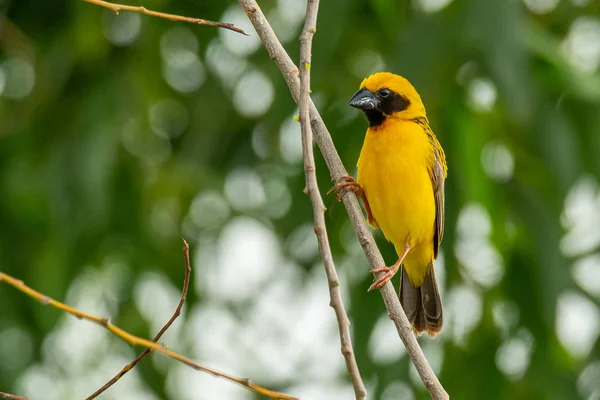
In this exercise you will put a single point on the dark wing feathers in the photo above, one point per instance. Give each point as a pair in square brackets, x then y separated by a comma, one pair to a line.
[437, 179]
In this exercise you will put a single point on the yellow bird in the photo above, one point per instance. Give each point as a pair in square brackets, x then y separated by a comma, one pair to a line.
[401, 173]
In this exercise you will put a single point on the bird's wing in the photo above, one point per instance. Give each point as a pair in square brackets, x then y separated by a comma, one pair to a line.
[437, 173]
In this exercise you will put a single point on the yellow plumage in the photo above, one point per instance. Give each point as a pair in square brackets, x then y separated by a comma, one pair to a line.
[401, 172]
[393, 172]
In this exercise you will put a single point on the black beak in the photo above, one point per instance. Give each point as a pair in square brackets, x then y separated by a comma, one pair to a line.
[364, 100]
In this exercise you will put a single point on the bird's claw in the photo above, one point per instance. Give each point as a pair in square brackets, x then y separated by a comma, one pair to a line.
[346, 184]
[382, 280]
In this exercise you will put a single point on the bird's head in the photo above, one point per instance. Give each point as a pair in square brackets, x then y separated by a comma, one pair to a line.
[384, 95]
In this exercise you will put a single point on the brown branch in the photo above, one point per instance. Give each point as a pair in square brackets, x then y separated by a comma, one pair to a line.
[9, 396]
[143, 10]
[130, 366]
[337, 170]
[312, 188]
[137, 341]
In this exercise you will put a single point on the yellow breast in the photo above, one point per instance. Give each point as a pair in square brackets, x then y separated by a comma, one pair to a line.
[393, 170]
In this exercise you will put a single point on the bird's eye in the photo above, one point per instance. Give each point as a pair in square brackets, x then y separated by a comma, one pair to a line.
[385, 92]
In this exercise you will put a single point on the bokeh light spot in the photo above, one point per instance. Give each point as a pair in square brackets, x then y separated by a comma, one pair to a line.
[236, 267]
[497, 161]
[506, 316]
[330, 390]
[431, 6]
[224, 63]
[479, 259]
[209, 210]
[19, 77]
[2, 80]
[164, 217]
[464, 309]
[239, 45]
[168, 118]
[279, 198]
[365, 63]
[260, 141]
[186, 384]
[156, 298]
[244, 189]
[474, 221]
[588, 383]
[122, 29]
[481, 94]
[143, 144]
[582, 44]
[253, 94]
[541, 6]
[292, 10]
[284, 28]
[37, 383]
[178, 42]
[581, 218]
[16, 349]
[381, 349]
[577, 323]
[302, 243]
[586, 272]
[398, 390]
[513, 356]
[182, 68]
[290, 141]
[184, 75]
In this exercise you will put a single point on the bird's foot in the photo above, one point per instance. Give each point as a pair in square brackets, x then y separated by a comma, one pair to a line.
[346, 184]
[389, 274]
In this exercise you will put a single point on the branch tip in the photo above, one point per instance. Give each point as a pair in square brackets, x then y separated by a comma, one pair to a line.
[117, 8]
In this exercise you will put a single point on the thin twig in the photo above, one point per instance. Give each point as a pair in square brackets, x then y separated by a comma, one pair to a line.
[143, 10]
[137, 341]
[312, 188]
[130, 366]
[9, 396]
[337, 170]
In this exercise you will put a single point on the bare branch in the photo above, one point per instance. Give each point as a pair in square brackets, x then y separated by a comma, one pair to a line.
[310, 27]
[130, 366]
[337, 170]
[137, 341]
[143, 10]
[9, 396]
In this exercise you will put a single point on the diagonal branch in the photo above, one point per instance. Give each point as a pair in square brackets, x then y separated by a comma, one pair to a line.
[131, 365]
[9, 396]
[337, 170]
[312, 188]
[137, 341]
[143, 10]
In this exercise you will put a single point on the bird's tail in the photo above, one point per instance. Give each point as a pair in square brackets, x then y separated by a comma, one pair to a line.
[422, 305]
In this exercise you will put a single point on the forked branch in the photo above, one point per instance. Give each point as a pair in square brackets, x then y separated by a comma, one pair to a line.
[131, 365]
[337, 170]
[137, 341]
[312, 188]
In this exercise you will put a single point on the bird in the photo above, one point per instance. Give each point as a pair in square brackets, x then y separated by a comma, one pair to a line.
[401, 173]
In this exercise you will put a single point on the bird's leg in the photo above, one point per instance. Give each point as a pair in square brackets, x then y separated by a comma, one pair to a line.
[389, 271]
[348, 184]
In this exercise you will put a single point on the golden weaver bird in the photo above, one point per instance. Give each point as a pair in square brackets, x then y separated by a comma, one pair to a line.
[401, 172]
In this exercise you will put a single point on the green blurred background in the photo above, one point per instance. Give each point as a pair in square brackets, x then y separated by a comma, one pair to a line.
[121, 135]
